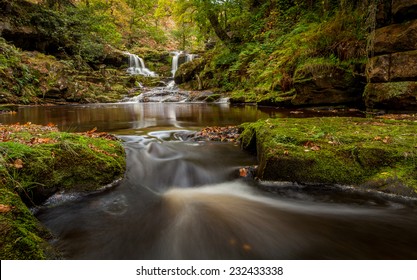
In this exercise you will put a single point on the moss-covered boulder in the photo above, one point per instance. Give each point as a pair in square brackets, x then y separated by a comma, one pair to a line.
[375, 153]
[188, 71]
[391, 96]
[22, 236]
[38, 161]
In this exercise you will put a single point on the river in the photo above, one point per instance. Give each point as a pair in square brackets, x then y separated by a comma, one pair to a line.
[182, 199]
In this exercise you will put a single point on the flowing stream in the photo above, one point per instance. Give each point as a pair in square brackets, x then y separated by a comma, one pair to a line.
[182, 199]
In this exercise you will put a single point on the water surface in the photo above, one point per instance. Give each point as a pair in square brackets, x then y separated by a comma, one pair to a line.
[181, 199]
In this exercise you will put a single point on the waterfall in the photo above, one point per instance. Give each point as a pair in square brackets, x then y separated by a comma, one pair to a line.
[176, 61]
[137, 66]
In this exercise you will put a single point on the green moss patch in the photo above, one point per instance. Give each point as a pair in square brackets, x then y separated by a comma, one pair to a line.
[380, 154]
[39, 160]
[22, 236]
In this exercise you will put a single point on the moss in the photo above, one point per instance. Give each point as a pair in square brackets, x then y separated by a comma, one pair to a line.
[336, 150]
[52, 161]
[35, 162]
[394, 95]
[22, 236]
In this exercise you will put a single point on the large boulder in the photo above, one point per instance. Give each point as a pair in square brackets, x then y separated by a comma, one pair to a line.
[327, 84]
[393, 96]
[187, 71]
[395, 67]
[396, 38]
[353, 151]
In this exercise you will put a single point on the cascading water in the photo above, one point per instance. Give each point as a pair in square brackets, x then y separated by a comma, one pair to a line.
[137, 66]
[176, 62]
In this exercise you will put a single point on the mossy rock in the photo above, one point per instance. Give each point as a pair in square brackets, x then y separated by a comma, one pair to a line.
[395, 96]
[40, 163]
[22, 237]
[362, 152]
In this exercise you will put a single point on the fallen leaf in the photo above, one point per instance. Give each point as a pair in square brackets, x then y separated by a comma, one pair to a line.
[5, 208]
[243, 172]
[315, 148]
[18, 164]
[92, 131]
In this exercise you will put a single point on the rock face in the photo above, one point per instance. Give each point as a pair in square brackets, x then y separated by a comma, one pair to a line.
[326, 86]
[392, 72]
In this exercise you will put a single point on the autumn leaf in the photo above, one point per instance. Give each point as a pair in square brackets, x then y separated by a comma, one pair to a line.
[18, 164]
[92, 131]
[5, 208]
[315, 148]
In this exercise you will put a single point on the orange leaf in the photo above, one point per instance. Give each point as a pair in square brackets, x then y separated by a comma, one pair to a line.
[18, 163]
[243, 172]
[92, 131]
[5, 208]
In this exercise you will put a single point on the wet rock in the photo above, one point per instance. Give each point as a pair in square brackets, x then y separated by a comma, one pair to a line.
[187, 71]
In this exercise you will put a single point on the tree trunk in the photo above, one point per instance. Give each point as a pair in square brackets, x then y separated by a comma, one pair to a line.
[220, 32]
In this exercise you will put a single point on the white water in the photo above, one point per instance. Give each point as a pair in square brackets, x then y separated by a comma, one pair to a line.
[176, 61]
[137, 66]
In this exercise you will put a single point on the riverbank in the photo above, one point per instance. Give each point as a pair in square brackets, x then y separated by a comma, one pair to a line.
[38, 161]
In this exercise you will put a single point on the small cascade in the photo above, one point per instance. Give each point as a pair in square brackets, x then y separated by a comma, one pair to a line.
[178, 58]
[137, 66]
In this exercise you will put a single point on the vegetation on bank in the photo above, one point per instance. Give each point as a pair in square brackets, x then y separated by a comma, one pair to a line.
[276, 49]
[38, 161]
[373, 153]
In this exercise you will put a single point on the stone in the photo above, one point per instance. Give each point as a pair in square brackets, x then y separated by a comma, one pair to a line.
[403, 66]
[378, 67]
[394, 96]
[395, 67]
[404, 10]
[396, 38]
[187, 71]
[324, 85]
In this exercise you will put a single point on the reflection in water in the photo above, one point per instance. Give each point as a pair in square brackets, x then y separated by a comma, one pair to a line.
[183, 200]
[132, 116]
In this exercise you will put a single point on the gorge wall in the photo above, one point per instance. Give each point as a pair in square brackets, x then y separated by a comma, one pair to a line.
[392, 69]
